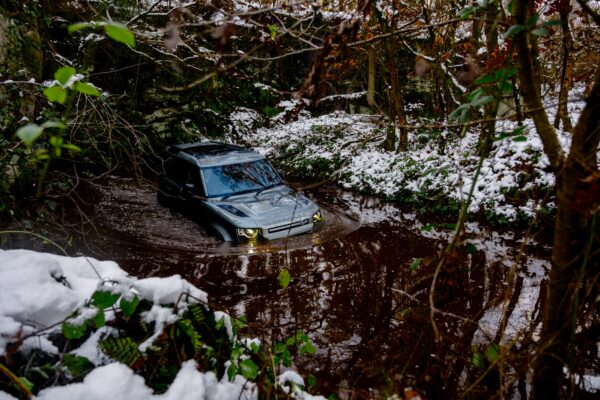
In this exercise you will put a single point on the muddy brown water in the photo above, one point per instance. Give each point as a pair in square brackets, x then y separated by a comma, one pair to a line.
[355, 290]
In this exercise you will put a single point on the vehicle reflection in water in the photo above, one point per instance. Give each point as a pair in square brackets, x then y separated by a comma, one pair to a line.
[355, 289]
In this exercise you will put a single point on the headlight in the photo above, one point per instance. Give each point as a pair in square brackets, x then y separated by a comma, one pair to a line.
[317, 217]
[248, 233]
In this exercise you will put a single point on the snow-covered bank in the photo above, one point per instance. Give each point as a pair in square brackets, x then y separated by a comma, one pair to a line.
[514, 182]
[43, 296]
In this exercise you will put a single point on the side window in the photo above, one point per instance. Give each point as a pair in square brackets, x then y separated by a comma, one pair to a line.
[192, 177]
[177, 170]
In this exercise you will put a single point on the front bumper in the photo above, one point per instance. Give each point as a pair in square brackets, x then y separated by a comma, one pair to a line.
[278, 231]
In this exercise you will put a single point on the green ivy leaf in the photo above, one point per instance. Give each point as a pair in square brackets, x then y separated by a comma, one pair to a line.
[129, 306]
[519, 139]
[291, 341]
[249, 369]
[280, 348]
[481, 101]
[540, 32]
[255, 347]
[72, 147]
[478, 360]
[120, 33]
[286, 358]
[81, 26]
[492, 352]
[552, 22]
[29, 133]
[103, 299]
[506, 87]
[464, 116]
[98, 321]
[236, 353]
[284, 278]
[308, 348]
[312, 380]
[63, 74]
[72, 332]
[54, 124]
[231, 371]
[86, 88]
[513, 30]
[533, 20]
[56, 94]
[462, 112]
[486, 79]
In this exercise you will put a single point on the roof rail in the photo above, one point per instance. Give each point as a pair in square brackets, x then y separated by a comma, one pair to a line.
[197, 148]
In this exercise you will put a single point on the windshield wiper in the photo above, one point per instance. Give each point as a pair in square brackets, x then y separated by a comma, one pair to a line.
[253, 179]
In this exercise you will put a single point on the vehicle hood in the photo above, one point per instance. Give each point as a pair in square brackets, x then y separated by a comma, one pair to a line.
[273, 206]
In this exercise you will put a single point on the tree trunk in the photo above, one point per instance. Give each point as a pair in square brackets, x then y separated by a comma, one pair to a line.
[371, 78]
[571, 236]
[396, 99]
[488, 130]
[566, 71]
[529, 80]
[572, 225]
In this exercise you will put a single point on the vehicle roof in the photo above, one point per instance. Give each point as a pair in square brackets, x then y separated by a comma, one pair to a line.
[210, 154]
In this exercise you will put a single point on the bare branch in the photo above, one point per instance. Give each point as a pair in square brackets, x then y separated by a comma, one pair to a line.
[144, 13]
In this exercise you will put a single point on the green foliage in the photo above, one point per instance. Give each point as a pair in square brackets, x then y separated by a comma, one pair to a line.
[187, 327]
[120, 33]
[77, 366]
[122, 349]
[284, 278]
[272, 31]
[56, 94]
[471, 248]
[73, 331]
[102, 299]
[86, 88]
[415, 264]
[129, 306]
[114, 30]
[63, 74]
[249, 369]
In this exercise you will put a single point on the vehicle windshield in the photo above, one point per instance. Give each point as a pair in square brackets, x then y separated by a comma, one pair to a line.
[228, 180]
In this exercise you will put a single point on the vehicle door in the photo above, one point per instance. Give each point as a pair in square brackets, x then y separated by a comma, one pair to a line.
[193, 192]
[171, 184]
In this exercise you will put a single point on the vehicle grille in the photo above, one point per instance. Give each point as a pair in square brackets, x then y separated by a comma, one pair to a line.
[288, 226]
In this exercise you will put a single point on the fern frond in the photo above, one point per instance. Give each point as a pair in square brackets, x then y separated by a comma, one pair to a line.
[122, 349]
[197, 312]
[187, 327]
